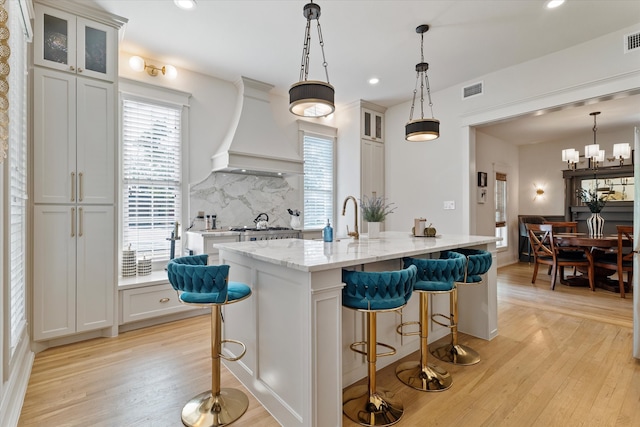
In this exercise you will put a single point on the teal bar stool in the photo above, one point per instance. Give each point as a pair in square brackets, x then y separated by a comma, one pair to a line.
[477, 264]
[435, 276]
[372, 293]
[203, 285]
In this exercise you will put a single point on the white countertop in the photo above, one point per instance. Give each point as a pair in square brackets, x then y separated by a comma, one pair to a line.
[313, 255]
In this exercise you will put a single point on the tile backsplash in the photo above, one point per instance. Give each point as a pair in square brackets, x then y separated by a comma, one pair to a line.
[237, 199]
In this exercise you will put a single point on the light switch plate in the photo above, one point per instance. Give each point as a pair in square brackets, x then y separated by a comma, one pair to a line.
[449, 204]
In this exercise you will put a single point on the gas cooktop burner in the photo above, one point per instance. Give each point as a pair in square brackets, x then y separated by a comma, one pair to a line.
[260, 229]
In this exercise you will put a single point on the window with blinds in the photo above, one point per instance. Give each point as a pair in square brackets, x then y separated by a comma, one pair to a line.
[17, 164]
[151, 176]
[319, 182]
[501, 208]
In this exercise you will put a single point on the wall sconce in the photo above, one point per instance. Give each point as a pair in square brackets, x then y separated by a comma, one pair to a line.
[138, 64]
[620, 151]
[539, 192]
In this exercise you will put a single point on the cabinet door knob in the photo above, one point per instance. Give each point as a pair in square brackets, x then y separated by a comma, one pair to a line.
[80, 69]
[72, 68]
[163, 300]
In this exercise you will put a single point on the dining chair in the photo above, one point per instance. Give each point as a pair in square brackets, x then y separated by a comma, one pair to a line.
[546, 252]
[566, 251]
[622, 260]
[523, 220]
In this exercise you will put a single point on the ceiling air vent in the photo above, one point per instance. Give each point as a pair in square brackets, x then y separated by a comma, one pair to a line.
[472, 90]
[631, 42]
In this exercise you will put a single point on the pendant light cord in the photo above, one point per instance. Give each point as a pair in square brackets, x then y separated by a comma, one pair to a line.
[306, 48]
[423, 83]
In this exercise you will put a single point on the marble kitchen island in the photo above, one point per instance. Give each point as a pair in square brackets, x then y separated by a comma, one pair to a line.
[298, 334]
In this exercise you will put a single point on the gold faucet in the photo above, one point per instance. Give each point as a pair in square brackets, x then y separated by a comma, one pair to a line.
[355, 233]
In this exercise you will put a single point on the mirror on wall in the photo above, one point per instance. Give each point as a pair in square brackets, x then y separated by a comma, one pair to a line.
[618, 189]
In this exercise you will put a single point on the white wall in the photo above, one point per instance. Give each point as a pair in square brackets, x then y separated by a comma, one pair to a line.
[494, 155]
[419, 177]
[347, 166]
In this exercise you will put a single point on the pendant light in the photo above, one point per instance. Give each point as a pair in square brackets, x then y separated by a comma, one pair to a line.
[422, 129]
[311, 98]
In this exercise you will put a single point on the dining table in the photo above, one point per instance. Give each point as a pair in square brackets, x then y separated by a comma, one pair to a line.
[593, 247]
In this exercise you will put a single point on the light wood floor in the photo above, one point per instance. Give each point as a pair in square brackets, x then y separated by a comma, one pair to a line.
[562, 358]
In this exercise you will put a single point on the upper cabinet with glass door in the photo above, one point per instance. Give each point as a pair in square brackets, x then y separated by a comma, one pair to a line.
[372, 125]
[74, 44]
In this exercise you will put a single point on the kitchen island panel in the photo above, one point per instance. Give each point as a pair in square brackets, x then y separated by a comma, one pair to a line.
[481, 301]
[291, 324]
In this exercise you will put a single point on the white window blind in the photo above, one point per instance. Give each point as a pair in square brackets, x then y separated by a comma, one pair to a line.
[501, 208]
[151, 181]
[319, 184]
[17, 163]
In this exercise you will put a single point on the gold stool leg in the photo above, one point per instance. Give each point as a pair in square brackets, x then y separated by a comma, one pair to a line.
[368, 405]
[216, 407]
[422, 375]
[453, 352]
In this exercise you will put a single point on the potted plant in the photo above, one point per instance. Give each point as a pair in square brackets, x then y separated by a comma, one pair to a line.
[374, 210]
[595, 203]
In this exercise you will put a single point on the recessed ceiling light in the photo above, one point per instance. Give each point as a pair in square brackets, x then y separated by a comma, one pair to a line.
[185, 4]
[552, 4]
[374, 81]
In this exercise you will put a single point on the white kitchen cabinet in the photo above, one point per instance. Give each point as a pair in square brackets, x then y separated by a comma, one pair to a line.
[74, 139]
[372, 125]
[73, 169]
[74, 271]
[74, 44]
[148, 302]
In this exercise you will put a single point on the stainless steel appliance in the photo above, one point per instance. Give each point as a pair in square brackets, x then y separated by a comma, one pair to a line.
[249, 234]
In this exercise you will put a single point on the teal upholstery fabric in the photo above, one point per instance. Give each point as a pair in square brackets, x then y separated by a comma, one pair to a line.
[438, 274]
[370, 290]
[479, 262]
[199, 283]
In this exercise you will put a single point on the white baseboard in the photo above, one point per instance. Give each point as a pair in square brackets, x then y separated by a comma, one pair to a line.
[14, 390]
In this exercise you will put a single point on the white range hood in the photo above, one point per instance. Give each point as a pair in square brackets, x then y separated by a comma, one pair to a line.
[255, 144]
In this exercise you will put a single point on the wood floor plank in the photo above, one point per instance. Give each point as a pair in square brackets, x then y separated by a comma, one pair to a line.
[562, 358]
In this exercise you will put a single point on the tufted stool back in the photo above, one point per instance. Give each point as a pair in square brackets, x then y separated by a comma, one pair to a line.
[478, 263]
[438, 274]
[199, 283]
[370, 290]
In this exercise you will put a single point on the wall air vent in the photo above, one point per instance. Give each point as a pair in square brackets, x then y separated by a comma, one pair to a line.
[472, 90]
[631, 42]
